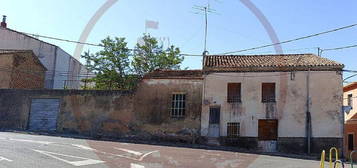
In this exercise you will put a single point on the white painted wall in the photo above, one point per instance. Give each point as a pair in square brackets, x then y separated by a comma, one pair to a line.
[52, 57]
[291, 97]
[354, 103]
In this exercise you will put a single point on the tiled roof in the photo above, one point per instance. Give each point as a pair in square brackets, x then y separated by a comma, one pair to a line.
[284, 62]
[350, 87]
[174, 74]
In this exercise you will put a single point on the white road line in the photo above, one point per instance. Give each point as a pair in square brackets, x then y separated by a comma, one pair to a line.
[133, 165]
[146, 154]
[83, 147]
[31, 141]
[5, 159]
[129, 151]
[83, 162]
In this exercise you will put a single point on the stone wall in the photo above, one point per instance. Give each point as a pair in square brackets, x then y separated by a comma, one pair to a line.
[141, 114]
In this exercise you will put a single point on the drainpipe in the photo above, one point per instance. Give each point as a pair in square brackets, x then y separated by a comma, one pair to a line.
[308, 114]
[343, 124]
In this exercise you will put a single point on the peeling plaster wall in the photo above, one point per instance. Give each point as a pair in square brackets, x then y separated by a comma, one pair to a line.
[290, 108]
[153, 104]
[140, 114]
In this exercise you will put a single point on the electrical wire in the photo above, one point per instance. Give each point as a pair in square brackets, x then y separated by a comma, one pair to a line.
[60, 39]
[339, 48]
[292, 40]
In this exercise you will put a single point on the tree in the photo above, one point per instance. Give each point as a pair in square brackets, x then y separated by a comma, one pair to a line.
[111, 65]
[150, 56]
[115, 70]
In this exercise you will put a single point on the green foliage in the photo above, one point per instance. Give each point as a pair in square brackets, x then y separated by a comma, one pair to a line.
[111, 65]
[150, 56]
[115, 70]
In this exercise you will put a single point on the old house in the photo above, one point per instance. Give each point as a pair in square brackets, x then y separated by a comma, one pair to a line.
[21, 69]
[289, 103]
[64, 71]
[349, 99]
[168, 102]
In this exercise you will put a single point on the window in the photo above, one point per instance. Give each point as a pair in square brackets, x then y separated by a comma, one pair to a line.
[233, 92]
[350, 141]
[350, 100]
[178, 105]
[233, 129]
[268, 92]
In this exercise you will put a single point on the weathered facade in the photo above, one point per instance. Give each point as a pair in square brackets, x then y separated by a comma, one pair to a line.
[289, 103]
[63, 70]
[349, 100]
[21, 69]
[150, 112]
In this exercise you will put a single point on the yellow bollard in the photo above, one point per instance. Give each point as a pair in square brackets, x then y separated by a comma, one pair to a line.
[322, 162]
[336, 155]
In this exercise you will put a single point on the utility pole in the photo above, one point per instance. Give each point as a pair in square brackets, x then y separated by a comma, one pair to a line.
[319, 51]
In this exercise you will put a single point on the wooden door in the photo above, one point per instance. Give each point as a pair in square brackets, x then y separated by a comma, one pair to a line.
[268, 130]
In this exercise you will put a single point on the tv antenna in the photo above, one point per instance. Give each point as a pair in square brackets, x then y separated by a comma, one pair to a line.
[205, 10]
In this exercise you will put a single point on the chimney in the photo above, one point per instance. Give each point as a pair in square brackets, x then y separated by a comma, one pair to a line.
[3, 23]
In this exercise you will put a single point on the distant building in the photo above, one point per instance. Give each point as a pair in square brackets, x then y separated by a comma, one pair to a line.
[63, 71]
[21, 69]
[350, 99]
[273, 102]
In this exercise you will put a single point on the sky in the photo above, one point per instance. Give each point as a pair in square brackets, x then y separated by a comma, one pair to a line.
[233, 26]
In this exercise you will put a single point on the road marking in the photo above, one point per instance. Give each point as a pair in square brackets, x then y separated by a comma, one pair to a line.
[83, 147]
[133, 165]
[130, 151]
[31, 141]
[83, 162]
[5, 159]
[146, 154]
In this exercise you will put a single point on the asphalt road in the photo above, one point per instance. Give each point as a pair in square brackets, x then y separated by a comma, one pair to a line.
[37, 151]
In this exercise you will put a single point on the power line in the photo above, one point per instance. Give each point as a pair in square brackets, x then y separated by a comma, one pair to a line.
[339, 48]
[60, 39]
[263, 52]
[292, 40]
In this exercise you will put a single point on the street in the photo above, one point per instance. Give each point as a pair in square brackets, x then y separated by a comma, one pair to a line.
[38, 151]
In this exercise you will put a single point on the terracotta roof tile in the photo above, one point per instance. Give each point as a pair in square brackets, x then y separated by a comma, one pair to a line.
[174, 74]
[284, 62]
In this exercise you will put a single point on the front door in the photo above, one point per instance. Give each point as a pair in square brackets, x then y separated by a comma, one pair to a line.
[214, 120]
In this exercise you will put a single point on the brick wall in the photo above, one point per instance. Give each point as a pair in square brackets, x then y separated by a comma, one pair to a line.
[27, 73]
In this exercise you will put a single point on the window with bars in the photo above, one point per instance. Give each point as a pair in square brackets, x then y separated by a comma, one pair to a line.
[268, 92]
[233, 92]
[233, 129]
[178, 105]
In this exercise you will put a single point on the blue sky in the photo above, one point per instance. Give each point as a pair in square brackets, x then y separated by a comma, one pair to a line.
[234, 27]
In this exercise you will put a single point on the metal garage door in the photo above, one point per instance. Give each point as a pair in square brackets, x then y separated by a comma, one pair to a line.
[43, 114]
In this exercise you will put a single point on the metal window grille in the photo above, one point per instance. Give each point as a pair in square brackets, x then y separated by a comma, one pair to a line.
[268, 92]
[178, 105]
[233, 129]
[233, 92]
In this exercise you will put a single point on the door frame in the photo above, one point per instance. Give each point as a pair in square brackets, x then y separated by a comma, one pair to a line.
[30, 111]
[219, 120]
